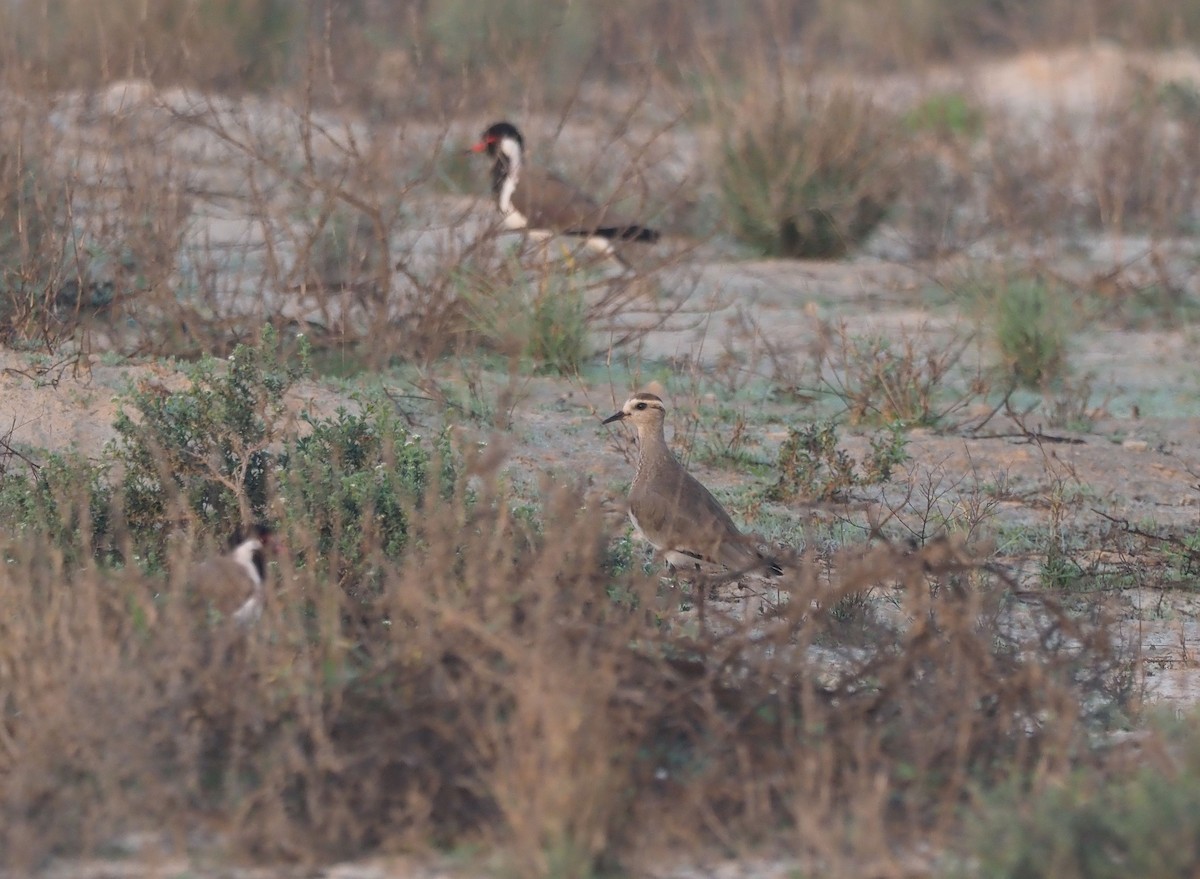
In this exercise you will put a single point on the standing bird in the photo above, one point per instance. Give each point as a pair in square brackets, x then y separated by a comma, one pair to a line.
[542, 204]
[232, 585]
[672, 510]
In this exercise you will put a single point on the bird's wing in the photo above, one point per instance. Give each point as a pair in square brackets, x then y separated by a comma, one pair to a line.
[549, 202]
[702, 529]
[221, 583]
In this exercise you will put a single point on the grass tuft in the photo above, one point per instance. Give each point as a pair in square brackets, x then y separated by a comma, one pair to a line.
[808, 177]
[1031, 327]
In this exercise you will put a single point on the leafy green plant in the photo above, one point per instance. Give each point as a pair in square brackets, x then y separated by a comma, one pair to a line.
[808, 177]
[205, 451]
[889, 449]
[1029, 322]
[68, 499]
[1031, 331]
[1094, 826]
[812, 466]
[945, 115]
[540, 318]
[220, 453]
[558, 329]
[356, 479]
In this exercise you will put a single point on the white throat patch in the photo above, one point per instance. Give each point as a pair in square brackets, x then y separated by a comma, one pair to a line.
[512, 217]
[244, 556]
[251, 610]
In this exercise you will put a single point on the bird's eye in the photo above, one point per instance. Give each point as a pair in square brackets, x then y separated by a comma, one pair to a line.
[640, 406]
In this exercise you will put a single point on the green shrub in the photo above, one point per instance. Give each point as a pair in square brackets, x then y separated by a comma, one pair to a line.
[34, 237]
[355, 479]
[945, 116]
[813, 467]
[68, 501]
[558, 329]
[539, 316]
[1031, 326]
[205, 451]
[218, 454]
[1093, 827]
[809, 178]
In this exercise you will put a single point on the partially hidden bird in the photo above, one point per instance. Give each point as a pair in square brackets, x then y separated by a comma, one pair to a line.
[233, 585]
[542, 204]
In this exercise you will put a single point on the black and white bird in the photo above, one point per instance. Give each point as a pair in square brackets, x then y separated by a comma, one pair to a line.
[542, 204]
[672, 511]
[233, 585]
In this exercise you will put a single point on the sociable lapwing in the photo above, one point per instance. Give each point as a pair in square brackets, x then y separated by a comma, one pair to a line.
[672, 510]
[542, 204]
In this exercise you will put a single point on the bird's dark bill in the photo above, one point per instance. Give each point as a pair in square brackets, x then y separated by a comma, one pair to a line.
[616, 416]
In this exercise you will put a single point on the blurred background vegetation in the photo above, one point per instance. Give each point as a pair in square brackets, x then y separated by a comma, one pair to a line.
[260, 44]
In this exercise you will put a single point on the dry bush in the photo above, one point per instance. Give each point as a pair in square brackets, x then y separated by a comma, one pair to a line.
[939, 206]
[1129, 169]
[1145, 175]
[912, 33]
[499, 682]
[914, 379]
[469, 59]
[1030, 180]
[36, 250]
[804, 173]
[77, 43]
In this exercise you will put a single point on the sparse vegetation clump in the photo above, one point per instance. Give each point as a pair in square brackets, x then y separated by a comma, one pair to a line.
[1139, 822]
[1145, 174]
[34, 241]
[883, 380]
[945, 116]
[540, 317]
[812, 466]
[809, 176]
[1031, 323]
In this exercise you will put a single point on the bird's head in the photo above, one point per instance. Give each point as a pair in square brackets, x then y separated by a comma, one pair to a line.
[500, 139]
[640, 409]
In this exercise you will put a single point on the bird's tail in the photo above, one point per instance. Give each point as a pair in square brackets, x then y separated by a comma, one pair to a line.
[643, 234]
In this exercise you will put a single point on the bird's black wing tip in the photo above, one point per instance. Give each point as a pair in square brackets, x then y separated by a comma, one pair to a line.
[641, 234]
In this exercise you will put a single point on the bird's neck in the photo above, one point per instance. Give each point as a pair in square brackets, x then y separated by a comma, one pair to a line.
[653, 451]
[507, 167]
[249, 555]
